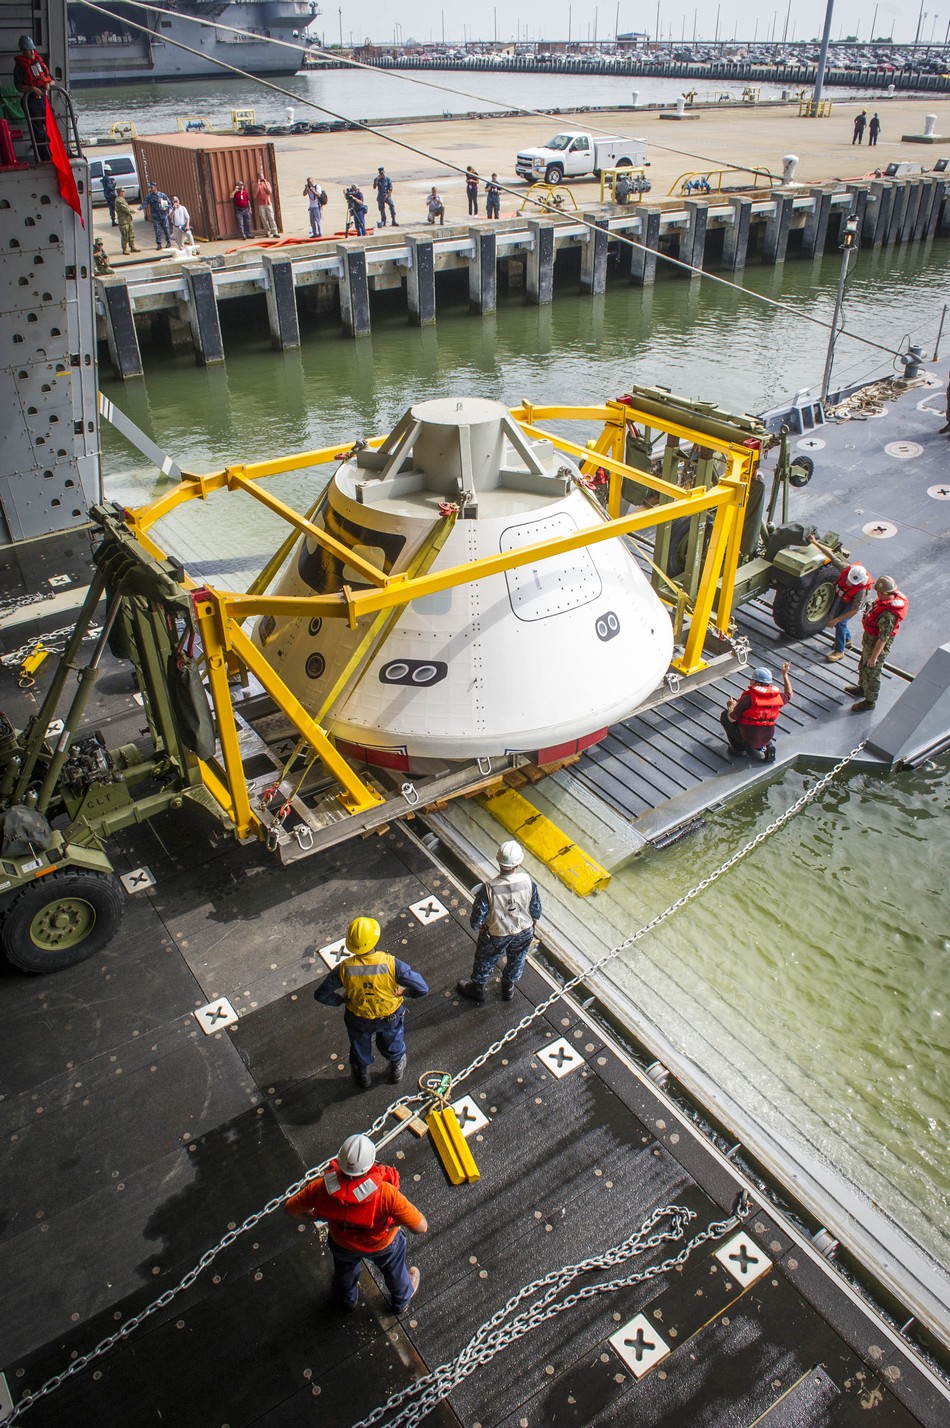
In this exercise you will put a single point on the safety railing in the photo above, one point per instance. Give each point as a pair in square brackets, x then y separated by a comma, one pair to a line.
[34, 117]
[714, 180]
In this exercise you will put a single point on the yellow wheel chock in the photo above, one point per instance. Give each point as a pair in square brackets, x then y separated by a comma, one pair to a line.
[451, 1146]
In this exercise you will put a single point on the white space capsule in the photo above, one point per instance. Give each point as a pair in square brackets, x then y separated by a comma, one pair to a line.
[539, 659]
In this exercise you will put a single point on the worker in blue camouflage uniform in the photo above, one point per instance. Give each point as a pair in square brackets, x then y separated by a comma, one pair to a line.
[504, 914]
[371, 986]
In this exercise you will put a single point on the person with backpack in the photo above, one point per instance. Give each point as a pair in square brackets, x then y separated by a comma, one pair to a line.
[317, 198]
[383, 185]
[158, 206]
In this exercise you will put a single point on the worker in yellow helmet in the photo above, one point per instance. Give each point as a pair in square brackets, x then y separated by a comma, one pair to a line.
[371, 986]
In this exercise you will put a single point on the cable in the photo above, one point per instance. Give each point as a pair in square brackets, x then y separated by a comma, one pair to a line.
[621, 238]
[130, 1325]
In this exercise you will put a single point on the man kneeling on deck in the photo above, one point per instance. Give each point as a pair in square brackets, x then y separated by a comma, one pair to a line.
[749, 721]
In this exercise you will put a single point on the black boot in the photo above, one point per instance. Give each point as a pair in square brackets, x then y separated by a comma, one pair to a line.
[507, 991]
[470, 990]
[361, 1076]
[397, 1069]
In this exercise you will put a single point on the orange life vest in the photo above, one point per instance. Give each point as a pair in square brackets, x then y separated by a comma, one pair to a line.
[350, 1203]
[32, 71]
[893, 604]
[767, 702]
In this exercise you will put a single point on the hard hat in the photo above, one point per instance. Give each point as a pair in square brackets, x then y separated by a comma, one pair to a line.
[356, 1156]
[857, 575]
[108, 169]
[510, 855]
[25, 42]
[762, 675]
[363, 934]
[884, 585]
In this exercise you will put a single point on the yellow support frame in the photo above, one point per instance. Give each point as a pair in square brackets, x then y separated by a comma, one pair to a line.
[221, 613]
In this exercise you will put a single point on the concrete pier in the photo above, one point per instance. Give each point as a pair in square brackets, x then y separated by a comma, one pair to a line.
[519, 252]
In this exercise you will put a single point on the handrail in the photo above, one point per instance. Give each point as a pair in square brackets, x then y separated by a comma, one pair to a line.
[36, 126]
[696, 180]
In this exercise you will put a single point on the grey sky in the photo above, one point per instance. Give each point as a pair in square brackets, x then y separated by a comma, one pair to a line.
[425, 20]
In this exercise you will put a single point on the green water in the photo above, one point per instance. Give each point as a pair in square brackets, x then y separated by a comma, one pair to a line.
[813, 979]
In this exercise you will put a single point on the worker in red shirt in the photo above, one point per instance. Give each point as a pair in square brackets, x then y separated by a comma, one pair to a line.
[366, 1216]
[749, 721]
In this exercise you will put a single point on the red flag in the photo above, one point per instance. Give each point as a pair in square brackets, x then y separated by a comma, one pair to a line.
[60, 159]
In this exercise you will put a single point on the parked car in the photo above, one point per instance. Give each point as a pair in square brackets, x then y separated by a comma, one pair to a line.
[124, 172]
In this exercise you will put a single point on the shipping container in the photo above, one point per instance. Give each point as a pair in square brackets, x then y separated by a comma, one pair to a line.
[202, 170]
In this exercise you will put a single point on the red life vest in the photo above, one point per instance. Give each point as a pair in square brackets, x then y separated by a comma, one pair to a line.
[32, 71]
[893, 604]
[767, 703]
[350, 1203]
[849, 593]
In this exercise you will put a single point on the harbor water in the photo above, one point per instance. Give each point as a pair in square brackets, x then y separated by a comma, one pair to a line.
[816, 974]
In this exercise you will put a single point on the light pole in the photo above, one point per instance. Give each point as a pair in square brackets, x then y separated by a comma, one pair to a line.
[695, 14]
[848, 244]
[340, 13]
[570, 16]
[920, 21]
[788, 16]
[873, 26]
[823, 51]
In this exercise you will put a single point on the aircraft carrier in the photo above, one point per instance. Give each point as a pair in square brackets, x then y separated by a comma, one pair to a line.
[106, 51]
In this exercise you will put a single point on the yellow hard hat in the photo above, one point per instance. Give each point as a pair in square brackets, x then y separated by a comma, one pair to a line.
[363, 935]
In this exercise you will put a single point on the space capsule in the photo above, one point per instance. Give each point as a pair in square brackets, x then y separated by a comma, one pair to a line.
[539, 659]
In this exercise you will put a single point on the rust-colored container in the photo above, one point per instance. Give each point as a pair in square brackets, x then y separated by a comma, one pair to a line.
[202, 170]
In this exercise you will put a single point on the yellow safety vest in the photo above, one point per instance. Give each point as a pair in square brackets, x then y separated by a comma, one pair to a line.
[369, 985]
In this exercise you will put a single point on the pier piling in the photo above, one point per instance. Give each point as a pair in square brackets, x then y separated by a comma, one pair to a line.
[540, 276]
[693, 248]
[775, 239]
[354, 290]
[483, 272]
[735, 241]
[420, 281]
[594, 255]
[281, 303]
[815, 231]
[120, 329]
[643, 259]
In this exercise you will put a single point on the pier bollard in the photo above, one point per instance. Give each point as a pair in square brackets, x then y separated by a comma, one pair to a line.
[541, 261]
[694, 246]
[594, 254]
[775, 240]
[881, 218]
[420, 280]
[483, 271]
[735, 241]
[121, 335]
[354, 289]
[203, 316]
[281, 303]
[815, 231]
[643, 259]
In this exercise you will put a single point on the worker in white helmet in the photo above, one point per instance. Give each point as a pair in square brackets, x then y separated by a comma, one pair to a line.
[366, 1217]
[371, 986]
[851, 590]
[504, 914]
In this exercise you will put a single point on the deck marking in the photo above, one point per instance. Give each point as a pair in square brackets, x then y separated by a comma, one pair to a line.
[939, 493]
[138, 880]
[639, 1345]
[879, 530]
[810, 443]
[216, 1016]
[903, 450]
[334, 953]
[55, 580]
[471, 1117]
[560, 1058]
[6, 1397]
[743, 1259]
[427, 910]
[54, 728]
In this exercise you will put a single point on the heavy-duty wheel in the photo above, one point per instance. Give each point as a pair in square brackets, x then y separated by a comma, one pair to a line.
[553, 174]
[801, 470]
[803, 610]
[624, 164]
[679, 545]
[62, 919]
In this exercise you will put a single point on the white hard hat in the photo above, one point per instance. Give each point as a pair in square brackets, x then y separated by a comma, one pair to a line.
[510, 855]
[857, 575]
[356, 1156]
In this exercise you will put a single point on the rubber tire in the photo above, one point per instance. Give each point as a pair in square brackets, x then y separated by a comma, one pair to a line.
[679, 539]
[102, 891]
[805, 466]
[553, 175]
[623, 164]
[792, 605]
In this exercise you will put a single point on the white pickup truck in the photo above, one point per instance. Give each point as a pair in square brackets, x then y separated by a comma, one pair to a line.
[571, 154]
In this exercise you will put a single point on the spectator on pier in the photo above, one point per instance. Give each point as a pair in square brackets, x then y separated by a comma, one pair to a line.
[366, 1216]
[126, 222]
[946, 426]
[471, 191]
[264, 198]
[435, 206]
[860, 124]
[355, 210]
[881, 623]
[749, 721]
[316, 197]
[100, 260]
[383, 185]
[158, 207]
[874, 128]
[242, 208]
[851, 587]
[493, 197]
[109, 191]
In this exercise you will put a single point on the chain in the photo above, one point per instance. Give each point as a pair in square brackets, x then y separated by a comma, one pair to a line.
[661, 917]
[55, 643]
[130, 1325]
[494, 1336]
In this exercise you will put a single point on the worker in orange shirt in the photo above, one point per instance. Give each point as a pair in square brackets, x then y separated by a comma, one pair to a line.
[366, 1216]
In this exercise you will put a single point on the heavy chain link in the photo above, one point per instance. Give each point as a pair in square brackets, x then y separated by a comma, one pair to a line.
[209, 1256]
[412, 1403]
